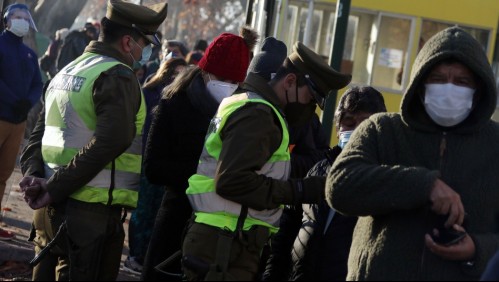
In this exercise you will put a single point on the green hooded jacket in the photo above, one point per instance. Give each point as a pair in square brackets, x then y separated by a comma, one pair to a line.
[386, 172]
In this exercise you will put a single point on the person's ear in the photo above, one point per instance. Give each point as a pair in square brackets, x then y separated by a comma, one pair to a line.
[126, 45]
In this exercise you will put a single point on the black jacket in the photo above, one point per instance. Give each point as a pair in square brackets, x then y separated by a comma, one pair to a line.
[72, 47]
[301, 251]
[309, 145]
[177, 134]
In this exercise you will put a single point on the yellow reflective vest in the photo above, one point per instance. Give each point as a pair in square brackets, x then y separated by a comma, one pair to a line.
[70, 122]
[209, 207]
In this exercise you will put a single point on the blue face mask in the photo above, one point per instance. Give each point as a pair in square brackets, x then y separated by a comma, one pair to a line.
[344, 137]
[146, 54]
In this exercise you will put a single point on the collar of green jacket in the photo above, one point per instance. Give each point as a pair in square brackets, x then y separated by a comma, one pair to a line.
[451, 43]
[259, 85]
[106, 50]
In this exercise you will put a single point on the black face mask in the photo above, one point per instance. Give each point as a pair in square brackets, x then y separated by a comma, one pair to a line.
[298, 114]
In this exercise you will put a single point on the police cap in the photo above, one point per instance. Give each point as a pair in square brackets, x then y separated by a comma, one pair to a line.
[319, 75]
[145, 20]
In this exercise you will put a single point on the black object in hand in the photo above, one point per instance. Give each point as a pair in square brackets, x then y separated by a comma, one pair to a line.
[448, 236]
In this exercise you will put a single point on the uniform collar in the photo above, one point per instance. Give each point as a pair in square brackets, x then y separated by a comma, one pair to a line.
[259, 85]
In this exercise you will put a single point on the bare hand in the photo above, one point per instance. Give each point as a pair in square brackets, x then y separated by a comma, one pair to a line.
[35, 192]
[446, 201]
[461, 251]
[41, 201]
[26, 182]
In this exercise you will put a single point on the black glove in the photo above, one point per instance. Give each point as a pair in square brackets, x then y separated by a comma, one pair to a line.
[309, 190]
[332, 154]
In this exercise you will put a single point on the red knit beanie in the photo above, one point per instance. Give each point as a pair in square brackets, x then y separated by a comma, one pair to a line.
[227, 57]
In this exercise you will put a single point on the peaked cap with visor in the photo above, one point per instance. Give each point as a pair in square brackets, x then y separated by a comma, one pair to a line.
[319, 75]
[144, 19]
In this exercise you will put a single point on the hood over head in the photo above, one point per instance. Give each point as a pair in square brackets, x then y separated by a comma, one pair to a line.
[452, 43]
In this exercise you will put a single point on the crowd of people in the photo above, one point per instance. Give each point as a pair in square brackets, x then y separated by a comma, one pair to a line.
[221, 157]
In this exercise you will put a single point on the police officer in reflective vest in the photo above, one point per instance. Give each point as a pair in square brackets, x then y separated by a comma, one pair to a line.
[242, 177]
[84, 157]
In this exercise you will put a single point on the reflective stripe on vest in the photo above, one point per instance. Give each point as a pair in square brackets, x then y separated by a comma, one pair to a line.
[70, 122]
[209, 207]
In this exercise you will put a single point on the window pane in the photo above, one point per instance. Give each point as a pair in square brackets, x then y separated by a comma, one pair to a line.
[315, 30]
[288, 34]
[391, 50]
[430, 28]
[350, 40]
[362, 38]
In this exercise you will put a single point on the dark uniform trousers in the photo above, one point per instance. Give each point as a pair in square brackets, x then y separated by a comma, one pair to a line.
[91, 246]
[201, 242]
[51, 267]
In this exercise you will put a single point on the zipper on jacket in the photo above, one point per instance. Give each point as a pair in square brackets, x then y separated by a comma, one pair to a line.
[441, 155]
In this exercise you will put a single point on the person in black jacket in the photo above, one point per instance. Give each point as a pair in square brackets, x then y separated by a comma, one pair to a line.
[318, 244]
[142, 219]
[74, 44]
[177, 135]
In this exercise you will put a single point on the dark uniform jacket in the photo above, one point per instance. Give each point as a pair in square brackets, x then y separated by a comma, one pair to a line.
[250, 137]
[117, 98]
[385, 174]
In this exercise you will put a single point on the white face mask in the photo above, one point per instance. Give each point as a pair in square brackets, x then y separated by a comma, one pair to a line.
[220, 90]
[448, 104]
[19, 27]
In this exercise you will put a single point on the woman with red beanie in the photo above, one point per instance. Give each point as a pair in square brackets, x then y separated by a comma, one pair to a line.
[177, 136]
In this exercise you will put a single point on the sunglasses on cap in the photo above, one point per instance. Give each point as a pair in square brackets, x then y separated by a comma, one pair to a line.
[152, 36]
[316, 93]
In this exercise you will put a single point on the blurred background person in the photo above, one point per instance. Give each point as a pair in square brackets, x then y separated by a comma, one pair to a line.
[140, 73]
[48, 60]
[74, 44]
[177, 48]
[193, 57]
[200, 46]
[20, 87]
[156, 58]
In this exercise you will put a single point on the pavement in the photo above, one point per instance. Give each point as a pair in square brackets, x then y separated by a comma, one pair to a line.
[15, 254]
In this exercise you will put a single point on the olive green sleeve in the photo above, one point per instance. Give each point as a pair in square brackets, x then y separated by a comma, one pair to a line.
[116, 97]
[250, 137]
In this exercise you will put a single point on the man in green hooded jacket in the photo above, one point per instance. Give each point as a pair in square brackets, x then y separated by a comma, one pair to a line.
[402, 173]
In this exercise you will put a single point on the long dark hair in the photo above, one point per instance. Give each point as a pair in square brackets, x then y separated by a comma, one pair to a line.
[165, 72]
[181, 82]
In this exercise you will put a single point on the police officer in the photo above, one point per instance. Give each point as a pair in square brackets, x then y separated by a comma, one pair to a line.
[242, 176]
[87, 143]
